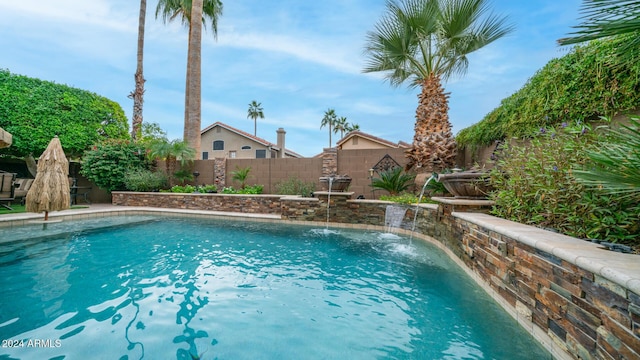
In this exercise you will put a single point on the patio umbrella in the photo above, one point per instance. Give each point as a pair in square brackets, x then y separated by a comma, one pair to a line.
[50, 189]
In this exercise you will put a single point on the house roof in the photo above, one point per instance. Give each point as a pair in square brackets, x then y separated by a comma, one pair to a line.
[358, 133]
[260, 141]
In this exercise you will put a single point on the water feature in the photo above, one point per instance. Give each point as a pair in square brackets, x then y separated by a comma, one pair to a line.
[393, 217]
[187, 288]
[415, 212]
[329, 200]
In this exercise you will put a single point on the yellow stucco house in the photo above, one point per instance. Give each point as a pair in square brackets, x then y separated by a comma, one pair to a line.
[220, 140]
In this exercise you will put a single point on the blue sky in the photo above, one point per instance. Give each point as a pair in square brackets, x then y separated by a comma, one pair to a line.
[298, 58]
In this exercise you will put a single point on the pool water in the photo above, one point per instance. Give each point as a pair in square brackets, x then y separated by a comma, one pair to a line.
[163, 288]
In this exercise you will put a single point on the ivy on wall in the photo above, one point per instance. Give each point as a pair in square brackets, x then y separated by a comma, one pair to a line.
[34, 111]
[589, 82]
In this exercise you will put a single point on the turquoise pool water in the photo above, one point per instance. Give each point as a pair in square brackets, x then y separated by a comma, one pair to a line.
[150, 288]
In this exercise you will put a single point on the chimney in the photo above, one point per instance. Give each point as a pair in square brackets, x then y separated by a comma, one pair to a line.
[280, 144]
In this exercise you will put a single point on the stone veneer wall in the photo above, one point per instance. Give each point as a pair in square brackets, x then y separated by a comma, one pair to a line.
[252, 204]
[574, 312]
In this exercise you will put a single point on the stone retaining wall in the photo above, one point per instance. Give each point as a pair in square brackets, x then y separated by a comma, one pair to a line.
[252, 204]
[575, 312]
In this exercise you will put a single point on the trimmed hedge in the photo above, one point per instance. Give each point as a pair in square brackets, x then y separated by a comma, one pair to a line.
[583, 85]
[34, 111]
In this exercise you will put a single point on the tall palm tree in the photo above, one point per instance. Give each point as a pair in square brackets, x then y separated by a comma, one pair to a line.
[329, 119]
[138, 93]
[202, 10]
[255, 112]
[426, 42]
[340, 125]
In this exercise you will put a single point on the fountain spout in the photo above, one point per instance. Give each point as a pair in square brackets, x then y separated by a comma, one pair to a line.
[329, 200]
[434, 176]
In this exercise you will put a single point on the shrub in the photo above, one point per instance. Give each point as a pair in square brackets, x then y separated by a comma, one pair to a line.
[535, 185]
[295, 186]
[405, 198]
[254, 189]
[144, 180]
[186, 189]
[107, 164]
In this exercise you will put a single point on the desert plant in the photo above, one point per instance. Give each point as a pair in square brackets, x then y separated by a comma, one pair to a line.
[241, 175]
[295, 186]
[393, 180]
[144, 180]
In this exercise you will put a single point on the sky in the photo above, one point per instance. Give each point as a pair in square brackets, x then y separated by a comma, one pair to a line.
[297, 58]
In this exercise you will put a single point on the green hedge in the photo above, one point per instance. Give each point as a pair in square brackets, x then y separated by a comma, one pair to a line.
[585, 84]
[34, 111]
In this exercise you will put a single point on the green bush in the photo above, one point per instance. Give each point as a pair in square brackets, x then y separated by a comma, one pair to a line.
[107, 164]
[186, 189]
[145, 180]
[535, 185]
[295, 186]
[405, 198]
[253, 189]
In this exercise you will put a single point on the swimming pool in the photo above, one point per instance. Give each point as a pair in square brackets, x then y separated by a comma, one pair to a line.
[158, 288]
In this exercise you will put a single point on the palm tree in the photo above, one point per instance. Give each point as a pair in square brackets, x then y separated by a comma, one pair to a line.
[255, 112]
[352, 127]
[171, 152]
[138, 93]
[340, 125]
[329, 119]
[426, 42]
[241, 175]
[604, 18]
[393, 180]
[201, 10]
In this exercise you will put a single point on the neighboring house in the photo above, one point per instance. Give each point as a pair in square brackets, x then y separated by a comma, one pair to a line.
[358, 140]
[220, 140]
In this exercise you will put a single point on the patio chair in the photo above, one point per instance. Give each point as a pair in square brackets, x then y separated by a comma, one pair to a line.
[22, 187]
[7, 189]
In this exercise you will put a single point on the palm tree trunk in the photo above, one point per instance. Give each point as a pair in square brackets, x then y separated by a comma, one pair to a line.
[193, 89]
[138, 93]
[434, 147]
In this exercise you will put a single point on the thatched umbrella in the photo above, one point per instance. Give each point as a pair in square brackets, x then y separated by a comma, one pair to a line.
[50, 189]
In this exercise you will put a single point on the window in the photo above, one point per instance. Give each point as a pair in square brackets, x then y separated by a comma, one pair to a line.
[232, 154]
[218, 145]
[261, 154]
[246, 147]
[205, 155]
